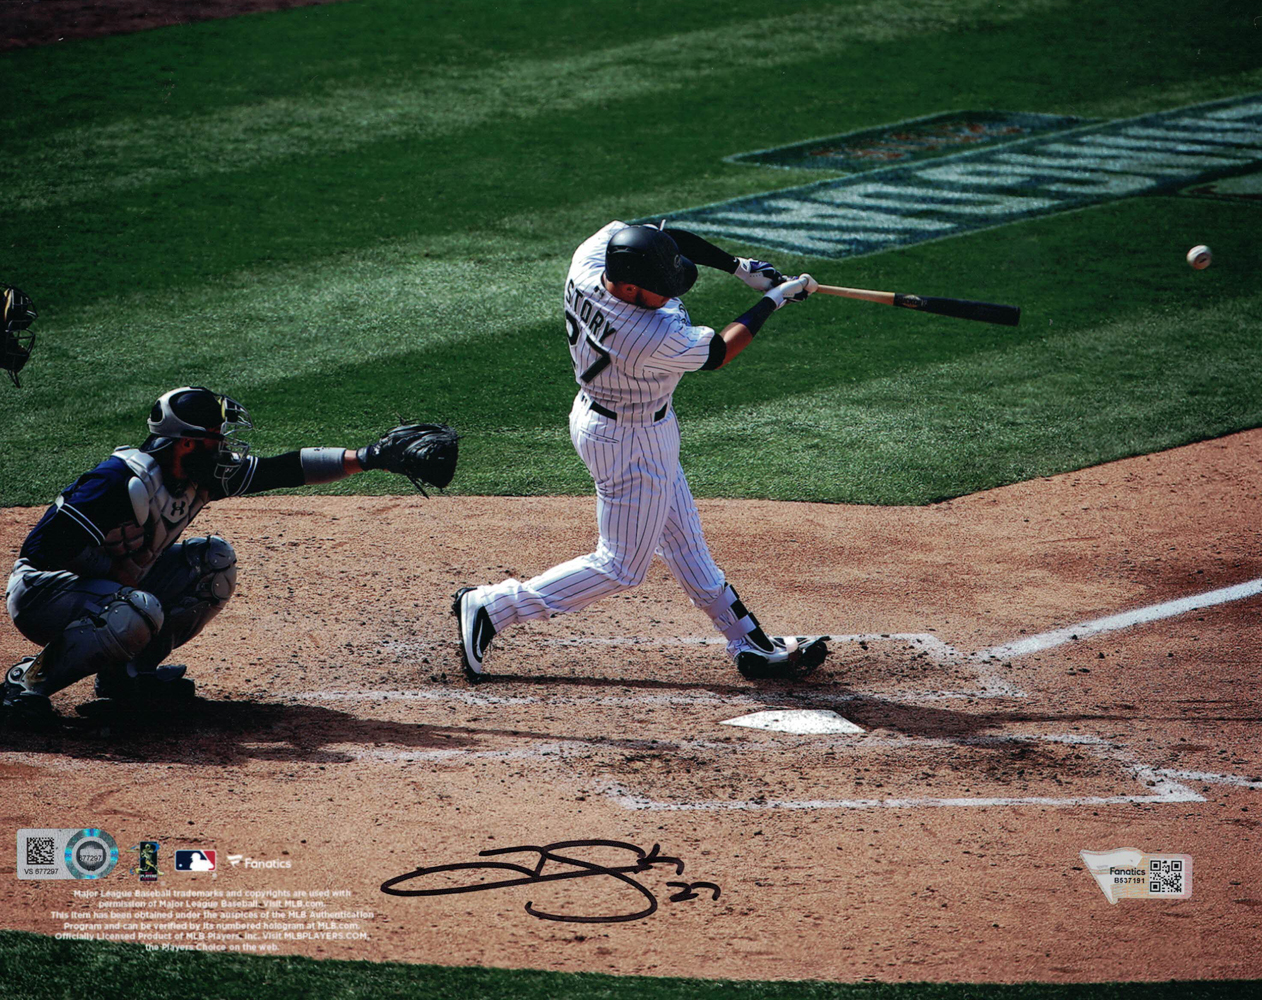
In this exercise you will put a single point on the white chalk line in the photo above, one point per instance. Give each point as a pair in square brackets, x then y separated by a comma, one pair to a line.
[992, 685]
[1126, 619]
[987, 661]
[936, 650]
[1210, 778]
[1166, 784]
[705, 699]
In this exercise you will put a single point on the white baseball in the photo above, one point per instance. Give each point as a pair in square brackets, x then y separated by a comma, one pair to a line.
[1200, 256]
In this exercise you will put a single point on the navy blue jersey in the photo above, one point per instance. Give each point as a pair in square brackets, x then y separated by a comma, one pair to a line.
[89, 508]
[124, 513]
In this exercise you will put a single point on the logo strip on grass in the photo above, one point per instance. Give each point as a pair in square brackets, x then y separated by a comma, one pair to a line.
[917, 139]
[964, 192]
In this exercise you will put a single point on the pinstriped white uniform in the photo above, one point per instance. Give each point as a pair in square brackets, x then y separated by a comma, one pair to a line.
[628, 361]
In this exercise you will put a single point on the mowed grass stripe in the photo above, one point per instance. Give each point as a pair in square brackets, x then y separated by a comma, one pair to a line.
[94, 161]
[998, 417]
[637, 157]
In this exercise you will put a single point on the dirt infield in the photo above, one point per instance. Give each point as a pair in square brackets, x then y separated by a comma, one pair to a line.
[942, 844]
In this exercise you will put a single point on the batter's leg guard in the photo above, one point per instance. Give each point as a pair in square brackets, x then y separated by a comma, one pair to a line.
[737, 623]
[757, 655]
[125, 625]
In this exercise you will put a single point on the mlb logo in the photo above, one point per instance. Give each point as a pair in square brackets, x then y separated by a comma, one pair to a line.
[194, 861]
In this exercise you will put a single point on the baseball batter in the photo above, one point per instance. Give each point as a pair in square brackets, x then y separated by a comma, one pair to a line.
[103, 582]
[631, 341]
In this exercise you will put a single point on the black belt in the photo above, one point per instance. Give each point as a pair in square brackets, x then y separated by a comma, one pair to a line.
[604, 411]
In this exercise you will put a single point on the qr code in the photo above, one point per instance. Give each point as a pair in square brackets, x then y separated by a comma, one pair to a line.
[39, 851]
[1165, 876]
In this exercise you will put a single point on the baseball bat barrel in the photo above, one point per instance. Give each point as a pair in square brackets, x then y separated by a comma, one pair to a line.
[982, 312]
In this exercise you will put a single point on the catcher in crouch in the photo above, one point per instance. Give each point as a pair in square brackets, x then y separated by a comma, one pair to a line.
[104, 586]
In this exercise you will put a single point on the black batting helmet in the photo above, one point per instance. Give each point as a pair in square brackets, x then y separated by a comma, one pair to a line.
[647, 257]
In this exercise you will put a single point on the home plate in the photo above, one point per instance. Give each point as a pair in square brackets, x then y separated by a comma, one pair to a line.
[801, 722]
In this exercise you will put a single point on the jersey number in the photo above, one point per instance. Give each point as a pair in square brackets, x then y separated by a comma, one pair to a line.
[602, 361]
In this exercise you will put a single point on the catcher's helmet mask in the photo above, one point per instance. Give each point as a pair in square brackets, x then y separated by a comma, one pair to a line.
[194, 412]
[648, 258]
[16, 341]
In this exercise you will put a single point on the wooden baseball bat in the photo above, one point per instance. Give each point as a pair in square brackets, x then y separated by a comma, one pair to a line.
[983, 312]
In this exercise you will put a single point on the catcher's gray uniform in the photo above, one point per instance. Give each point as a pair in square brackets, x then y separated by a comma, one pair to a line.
[94, 601]
[103, 581]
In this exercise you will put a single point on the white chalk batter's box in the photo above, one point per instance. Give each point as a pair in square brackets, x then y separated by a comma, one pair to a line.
[57, 853]
[968, 191]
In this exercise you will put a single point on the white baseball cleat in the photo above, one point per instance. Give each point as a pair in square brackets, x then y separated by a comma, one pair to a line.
[476, 631]
[791, 657]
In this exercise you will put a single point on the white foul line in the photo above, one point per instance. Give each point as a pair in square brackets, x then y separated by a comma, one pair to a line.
[1152, 613]
[1210, 778]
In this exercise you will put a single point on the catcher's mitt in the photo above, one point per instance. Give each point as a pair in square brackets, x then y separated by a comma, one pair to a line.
[425, 453]
[15, 345]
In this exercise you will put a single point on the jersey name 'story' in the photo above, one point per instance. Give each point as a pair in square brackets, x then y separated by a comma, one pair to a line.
[626, 357]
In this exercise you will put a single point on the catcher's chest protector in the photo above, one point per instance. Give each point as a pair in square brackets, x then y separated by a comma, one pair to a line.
[160, 515]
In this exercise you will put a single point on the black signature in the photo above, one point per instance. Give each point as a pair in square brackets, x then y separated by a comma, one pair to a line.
[579, 868]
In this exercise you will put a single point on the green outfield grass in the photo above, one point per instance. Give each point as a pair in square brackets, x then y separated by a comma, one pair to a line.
[41, 968]
[343, 213]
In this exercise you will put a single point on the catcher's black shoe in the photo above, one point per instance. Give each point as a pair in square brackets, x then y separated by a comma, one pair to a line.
[789, 659]
[476, 631]
[25, 710]
[165, 683]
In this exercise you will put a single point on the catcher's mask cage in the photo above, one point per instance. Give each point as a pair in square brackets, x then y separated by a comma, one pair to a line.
[16, 340]
[647, 257]
[17, 352]
[196, 412]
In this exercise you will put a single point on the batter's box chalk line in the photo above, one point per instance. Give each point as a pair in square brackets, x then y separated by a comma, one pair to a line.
[988, 663]
[1164, 789]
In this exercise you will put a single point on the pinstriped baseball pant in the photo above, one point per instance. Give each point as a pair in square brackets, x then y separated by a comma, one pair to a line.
[643, 507]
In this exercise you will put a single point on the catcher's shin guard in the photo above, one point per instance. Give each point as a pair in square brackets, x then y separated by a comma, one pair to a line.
[21, 709]
[195, 587]
[123, 627]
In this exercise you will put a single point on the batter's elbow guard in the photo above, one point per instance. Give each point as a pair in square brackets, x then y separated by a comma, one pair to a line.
[718, 354]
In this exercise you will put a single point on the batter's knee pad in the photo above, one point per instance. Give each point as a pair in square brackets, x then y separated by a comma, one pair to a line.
[124, 626]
